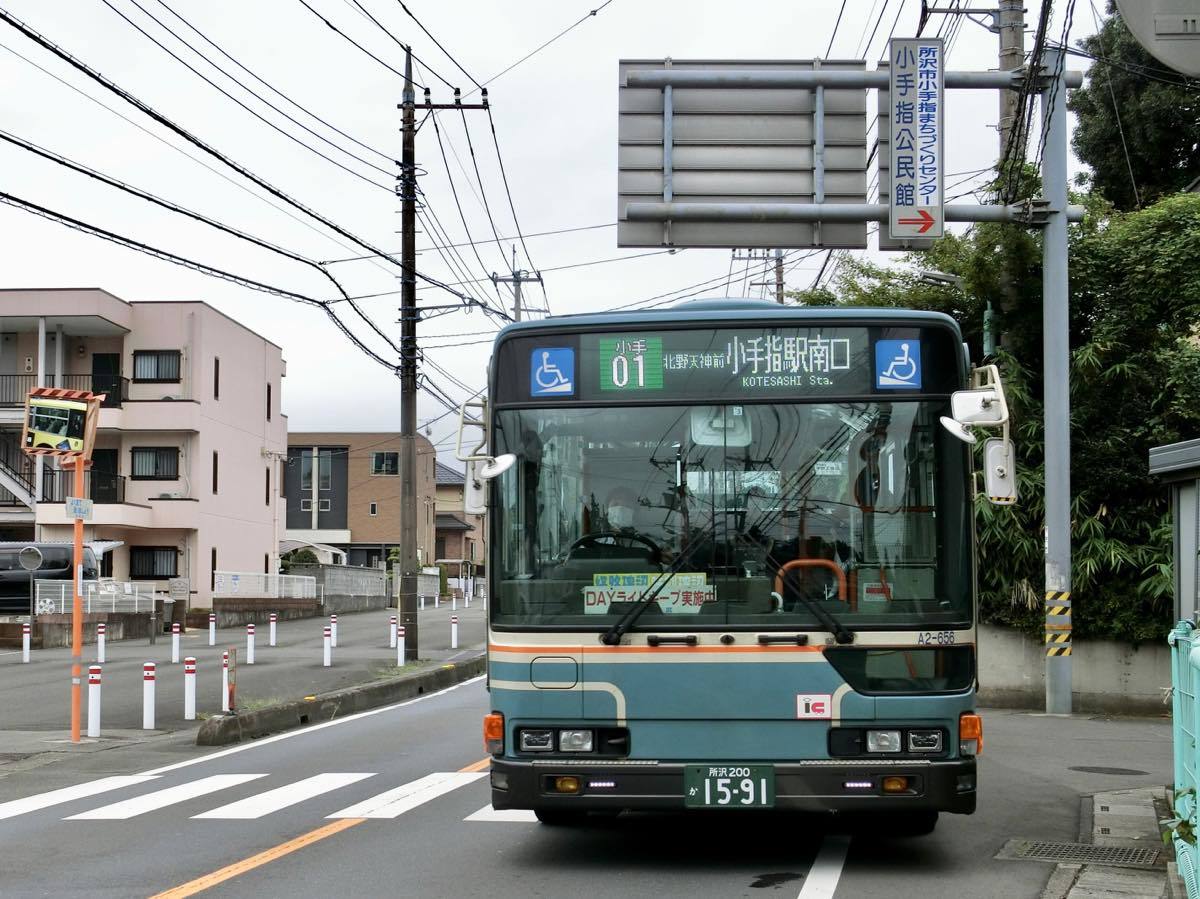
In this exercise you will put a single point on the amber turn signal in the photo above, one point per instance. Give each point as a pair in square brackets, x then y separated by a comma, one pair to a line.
[970, 734]
[566, 784]
[493, 733]
[895, 784]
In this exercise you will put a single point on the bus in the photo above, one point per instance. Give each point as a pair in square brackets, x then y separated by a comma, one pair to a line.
[58, 424]
[731, 561]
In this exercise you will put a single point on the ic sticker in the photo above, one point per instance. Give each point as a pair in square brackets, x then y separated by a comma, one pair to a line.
[552, 371]
[898, 364]
[814, 705]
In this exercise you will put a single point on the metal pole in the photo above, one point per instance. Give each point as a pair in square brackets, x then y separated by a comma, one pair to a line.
[1057, 394]
[779, 276]
[408, 362]
[516, 288]
[77, 612]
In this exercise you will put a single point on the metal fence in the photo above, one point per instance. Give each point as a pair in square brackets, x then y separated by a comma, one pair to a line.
[228, 584]
[56, 597]
[1185, 678]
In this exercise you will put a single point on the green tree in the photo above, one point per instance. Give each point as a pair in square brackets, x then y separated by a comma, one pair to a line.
[1135, 383]
[301, 556]
[1134, 129]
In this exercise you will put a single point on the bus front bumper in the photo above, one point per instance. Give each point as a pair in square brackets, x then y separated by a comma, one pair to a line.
[812, 786]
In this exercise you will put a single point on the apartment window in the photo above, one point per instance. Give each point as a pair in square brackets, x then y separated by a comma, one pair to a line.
[156, 366]
[266, 563]
[267, 487]
[212, 570]
[306, 466]
[214, 471]
[306, 505]
[323, 505]
[374, 509]
[326, 472]
[153, 562]
[385, 463]
[155, 463]
[268, 402]
[216, 377]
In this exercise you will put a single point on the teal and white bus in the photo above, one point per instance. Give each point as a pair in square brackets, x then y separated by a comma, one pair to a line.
[731, 561]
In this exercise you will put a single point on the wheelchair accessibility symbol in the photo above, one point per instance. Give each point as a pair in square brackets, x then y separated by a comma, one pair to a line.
[898, 364]
[552, 371]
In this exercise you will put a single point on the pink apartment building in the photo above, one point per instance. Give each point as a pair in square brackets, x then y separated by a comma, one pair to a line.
[185, 474]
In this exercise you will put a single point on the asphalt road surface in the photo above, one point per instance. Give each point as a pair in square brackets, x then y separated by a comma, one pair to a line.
[395, 802]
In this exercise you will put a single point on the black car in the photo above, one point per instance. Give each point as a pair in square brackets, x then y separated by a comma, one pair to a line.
[56, 566]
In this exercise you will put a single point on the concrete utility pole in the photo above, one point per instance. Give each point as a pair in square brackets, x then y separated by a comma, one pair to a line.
[408, 366]
[779, 277]
[1011, 26]
[516, 279]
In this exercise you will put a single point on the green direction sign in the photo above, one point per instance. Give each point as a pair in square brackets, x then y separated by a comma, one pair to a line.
[631, 363]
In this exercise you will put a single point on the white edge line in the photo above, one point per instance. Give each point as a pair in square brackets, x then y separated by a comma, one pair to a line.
[826, 870]
[313, 728]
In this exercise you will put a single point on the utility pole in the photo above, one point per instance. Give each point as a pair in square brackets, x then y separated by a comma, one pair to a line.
[516, 279]
[409, 315]
[1011, 27]
[779, 277]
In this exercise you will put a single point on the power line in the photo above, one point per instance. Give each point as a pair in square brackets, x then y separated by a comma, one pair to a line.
[483, 241]
[513, 208]
[437, 42]
[400, 43]
[829, 49]
[351, 40]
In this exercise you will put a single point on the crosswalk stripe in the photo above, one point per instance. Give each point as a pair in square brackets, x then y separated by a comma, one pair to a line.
[403, 799]
[139, 805]
[487, 813]
[80, 791]
[282, 797]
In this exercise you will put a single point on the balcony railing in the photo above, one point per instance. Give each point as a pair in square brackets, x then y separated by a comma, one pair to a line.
[14, 388]
[98, 486]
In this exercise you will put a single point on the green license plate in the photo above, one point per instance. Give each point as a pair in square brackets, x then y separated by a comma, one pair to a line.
[729, 786]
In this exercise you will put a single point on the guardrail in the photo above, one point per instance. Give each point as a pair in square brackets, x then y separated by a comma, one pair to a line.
[56, 597]
[1185, 680]
[228, 584]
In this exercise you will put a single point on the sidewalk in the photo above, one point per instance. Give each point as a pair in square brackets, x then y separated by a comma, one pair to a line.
[35, 697]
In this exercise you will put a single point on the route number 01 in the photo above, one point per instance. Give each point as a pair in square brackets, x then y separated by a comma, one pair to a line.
[620, 370]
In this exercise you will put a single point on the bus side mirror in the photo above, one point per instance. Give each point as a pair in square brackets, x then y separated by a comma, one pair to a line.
[1000, 471]
[474, 491]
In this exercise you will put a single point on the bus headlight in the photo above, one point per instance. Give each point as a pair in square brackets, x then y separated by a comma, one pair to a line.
[537, 740]
[883, 741]
[575, 741]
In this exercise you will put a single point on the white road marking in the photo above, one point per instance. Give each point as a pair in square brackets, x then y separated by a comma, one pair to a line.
[312, 728]
[282, 797]
[487, 813]
[822, 879]
[395, 803]
[80, 791]
[139, 805]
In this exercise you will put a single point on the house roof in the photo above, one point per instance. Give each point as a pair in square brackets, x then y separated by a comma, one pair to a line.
[446, 521]
[444, 474]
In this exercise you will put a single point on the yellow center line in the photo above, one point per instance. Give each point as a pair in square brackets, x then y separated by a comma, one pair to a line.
[192, 887]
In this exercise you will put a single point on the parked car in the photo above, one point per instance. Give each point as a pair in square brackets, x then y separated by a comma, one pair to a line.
[56, 566]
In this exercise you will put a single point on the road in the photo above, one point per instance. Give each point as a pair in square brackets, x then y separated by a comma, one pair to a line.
[396, 802]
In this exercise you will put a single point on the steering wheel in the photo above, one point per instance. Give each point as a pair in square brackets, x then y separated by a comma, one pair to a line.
[593, 539]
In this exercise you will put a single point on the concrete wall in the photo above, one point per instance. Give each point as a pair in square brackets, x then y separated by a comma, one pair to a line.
[1106, 676]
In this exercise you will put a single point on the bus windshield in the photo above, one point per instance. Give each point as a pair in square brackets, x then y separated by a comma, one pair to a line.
[758, 510]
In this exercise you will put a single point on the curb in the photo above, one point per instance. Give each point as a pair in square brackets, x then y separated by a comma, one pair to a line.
[222, 730]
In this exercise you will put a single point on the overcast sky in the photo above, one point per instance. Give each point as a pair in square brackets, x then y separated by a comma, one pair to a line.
[555, 117]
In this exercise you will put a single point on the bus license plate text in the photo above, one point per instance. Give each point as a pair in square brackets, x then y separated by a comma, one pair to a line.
[729, 786]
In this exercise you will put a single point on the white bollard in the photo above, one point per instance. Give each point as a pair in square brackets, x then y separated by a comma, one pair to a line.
[437, 600]
[101, 639]
[24, 642]
[148, 696]
[467, 598]
[333, 631]
[453, 602]
[422, 599]
[212, 628]
[400, 646]
[328, 660]
[189, 689]
[225, 681]
[454, 632]
[271, 635]
[93, 728]
[175, 644]
[249, 644]
[392, 632]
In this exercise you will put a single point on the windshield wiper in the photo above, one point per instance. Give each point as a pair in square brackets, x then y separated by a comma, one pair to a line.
[612, 636]
[841, 633]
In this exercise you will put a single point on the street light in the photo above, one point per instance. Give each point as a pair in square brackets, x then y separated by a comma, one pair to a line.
[945, 279]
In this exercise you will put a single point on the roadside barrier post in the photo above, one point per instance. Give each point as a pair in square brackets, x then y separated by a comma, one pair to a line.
[454, 632]
[225, 681]
[249, 644]
[101, 639]
[453, 602]
[25, 643]
[333, 631]
[437, 600]
[328, 660]
[422, 599]
[212, 628]
[271, 635]
[392, 632]
[148, 696]
[175, 643]
[93, 728]
[400, 646]
[189, 689]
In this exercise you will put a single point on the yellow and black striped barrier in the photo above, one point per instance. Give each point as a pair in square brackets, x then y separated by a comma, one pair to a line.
[1058, 623]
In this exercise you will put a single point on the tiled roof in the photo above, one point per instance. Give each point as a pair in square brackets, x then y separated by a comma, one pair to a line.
[444, 474]
[445, 521]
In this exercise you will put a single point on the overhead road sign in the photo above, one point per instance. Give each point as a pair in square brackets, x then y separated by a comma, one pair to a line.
[915, 109]
[883, 128]
[1168, 29]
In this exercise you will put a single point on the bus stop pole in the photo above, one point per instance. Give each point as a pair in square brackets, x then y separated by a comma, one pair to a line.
[77, 611]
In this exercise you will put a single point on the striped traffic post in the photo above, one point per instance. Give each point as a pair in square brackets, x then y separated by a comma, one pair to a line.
[392, 632]
[93, 726]
[271, 633]
[148, 696]
[333, 631]
[25, 643]
[328, 657]
[101, 639]
[454, 632]
[453, 601]
[225, 680]
[175, 643]
[250, 644]
[212, 628]
[400, 646]
[189, 689]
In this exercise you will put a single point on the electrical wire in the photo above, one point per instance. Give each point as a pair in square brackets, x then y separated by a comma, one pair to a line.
[437, 42]
[483, 241]
[407, 48]
[513, 208]
[351, 40]
[829, 49]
